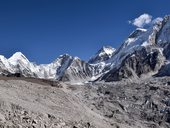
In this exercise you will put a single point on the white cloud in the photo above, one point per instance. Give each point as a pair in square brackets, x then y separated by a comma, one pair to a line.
[142, 20]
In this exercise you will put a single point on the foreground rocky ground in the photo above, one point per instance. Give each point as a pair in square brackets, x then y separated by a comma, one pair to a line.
[33, 103]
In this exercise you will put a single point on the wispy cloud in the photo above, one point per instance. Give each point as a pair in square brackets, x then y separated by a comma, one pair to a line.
[142, 20]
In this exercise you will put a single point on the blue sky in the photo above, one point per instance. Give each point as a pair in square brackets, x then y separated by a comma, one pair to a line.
[45, 29]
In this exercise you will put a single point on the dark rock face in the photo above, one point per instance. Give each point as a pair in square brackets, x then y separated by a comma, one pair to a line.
[3, 72]
[99, 59]
[163, 37]
[77, 71]
[136, 64]
[166, 50]
[14, 75]
[66, 60]
[73, 69]
[164, 71]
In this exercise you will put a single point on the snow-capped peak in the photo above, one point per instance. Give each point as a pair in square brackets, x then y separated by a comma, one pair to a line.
[64, 55]
[18, 56]
[108, 50]
[76, 58]
[102, 55]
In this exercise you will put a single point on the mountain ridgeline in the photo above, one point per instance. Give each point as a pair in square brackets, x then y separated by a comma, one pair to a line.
[144, 52]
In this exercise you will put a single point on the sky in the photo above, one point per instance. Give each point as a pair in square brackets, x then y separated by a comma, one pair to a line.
[44, 29]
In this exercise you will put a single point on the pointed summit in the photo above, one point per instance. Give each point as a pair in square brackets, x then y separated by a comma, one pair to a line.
[106, 50]
[102, 55]
[65, 56]
[18, 56]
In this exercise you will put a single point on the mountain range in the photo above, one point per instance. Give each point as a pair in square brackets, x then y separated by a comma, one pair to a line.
[146, 52]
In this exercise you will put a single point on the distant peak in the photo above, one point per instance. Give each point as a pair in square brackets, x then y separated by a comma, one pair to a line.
[77, 58]
[18, 56]
[65, 56]
[107, 49]
[102, 55]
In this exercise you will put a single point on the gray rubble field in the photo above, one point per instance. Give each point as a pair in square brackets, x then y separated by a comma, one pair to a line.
[26, 104]
[36, 104]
